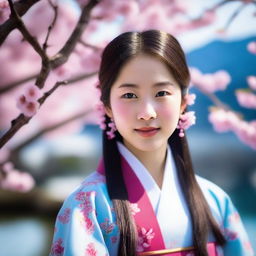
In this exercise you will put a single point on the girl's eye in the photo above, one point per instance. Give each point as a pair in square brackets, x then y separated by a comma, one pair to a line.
[162, 93]
[129, 95]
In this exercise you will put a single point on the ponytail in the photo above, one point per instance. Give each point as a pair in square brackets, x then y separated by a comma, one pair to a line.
[201, 217]
[119, 196]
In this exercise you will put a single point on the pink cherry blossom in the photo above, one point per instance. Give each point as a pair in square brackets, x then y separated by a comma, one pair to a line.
[32, 93]
[251, 80]
[246, 132]
[210, 83]
[223, 120]
[251, 47]
[29, 109]
[15, 180]
[190, 99]
[222, 79]
[246, 99]
[4, 11]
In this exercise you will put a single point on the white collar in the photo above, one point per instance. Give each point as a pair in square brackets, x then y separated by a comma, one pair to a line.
[149, 184]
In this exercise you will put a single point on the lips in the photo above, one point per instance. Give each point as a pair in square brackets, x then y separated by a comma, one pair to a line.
[147, 131]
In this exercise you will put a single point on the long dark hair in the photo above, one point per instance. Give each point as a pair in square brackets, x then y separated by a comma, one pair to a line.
[165, 47]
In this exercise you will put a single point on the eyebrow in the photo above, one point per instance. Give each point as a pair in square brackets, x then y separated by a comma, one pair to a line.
[158, 84]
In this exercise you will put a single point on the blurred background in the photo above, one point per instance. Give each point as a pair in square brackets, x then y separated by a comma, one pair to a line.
[60, 159]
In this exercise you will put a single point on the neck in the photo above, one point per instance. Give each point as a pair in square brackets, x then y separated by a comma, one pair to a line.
[154, 161]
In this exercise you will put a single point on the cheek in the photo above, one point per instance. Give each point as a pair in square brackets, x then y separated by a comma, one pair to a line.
[170, 113]
[121, 110]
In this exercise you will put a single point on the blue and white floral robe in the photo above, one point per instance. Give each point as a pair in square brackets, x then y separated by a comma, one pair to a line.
[86, 223]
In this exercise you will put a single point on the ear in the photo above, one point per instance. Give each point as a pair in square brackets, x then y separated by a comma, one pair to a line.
[108, 111]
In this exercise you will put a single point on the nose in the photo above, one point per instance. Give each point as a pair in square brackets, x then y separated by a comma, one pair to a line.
[147, 111]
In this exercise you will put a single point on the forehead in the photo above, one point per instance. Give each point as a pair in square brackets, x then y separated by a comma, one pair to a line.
[143, 68]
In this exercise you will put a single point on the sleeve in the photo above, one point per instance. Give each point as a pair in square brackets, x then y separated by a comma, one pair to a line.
[77, 231]
[237, 240]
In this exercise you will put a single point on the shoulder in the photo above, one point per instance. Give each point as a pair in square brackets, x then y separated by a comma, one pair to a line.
[93, 188]
[216, 197]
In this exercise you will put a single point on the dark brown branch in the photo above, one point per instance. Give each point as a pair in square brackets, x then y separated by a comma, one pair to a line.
[21, 7]
[42, 100]
[47, 65]
[22, 28]
[234, 15]
[55, 9]
[15, 84]
[51, 128]
[22, 120]
[90, 45]
[62, 56]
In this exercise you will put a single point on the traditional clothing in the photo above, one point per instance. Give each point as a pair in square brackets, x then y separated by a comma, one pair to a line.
[86, 223]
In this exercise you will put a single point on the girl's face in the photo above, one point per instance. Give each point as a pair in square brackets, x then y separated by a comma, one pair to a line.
[145, 104]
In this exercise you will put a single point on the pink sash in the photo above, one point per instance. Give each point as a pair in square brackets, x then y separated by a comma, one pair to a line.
[150, 237]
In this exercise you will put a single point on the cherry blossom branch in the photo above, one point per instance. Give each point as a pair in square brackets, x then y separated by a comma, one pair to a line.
[21, 120]
[55, 9]
[89, 45]
[216, 100]
[234, 15]
[21, 8]
[51, 128]
[22, 28]
[13, 85]
[60, 58]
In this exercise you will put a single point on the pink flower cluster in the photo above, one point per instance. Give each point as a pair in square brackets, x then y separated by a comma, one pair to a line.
[186, 120]
[224, 120]
[251, 80]
[246, 99]
[190, 99]
[27, 103]
[144, 239]
[210, 83]
[251, 47]
[14, 180]
[4, 11]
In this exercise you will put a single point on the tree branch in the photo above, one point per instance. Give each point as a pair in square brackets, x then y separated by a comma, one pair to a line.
[62, 56]
[50, 128]
[55, 9]
[15, 84]
[22, 120]
[47, 65]
[21, 7]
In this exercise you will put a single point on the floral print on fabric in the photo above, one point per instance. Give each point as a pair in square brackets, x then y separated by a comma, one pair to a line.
[134, 208]
[107, 227]
[64, 218]
[144, 239]
[90, 250]
[57, 248]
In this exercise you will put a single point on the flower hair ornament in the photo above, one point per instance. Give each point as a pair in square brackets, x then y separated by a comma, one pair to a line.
[187, 119]
[102, 122]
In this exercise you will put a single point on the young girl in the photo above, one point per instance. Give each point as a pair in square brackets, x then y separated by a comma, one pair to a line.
[144, 198]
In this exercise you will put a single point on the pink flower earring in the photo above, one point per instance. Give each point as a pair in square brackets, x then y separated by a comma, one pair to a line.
[111, 133]
[186, 120]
